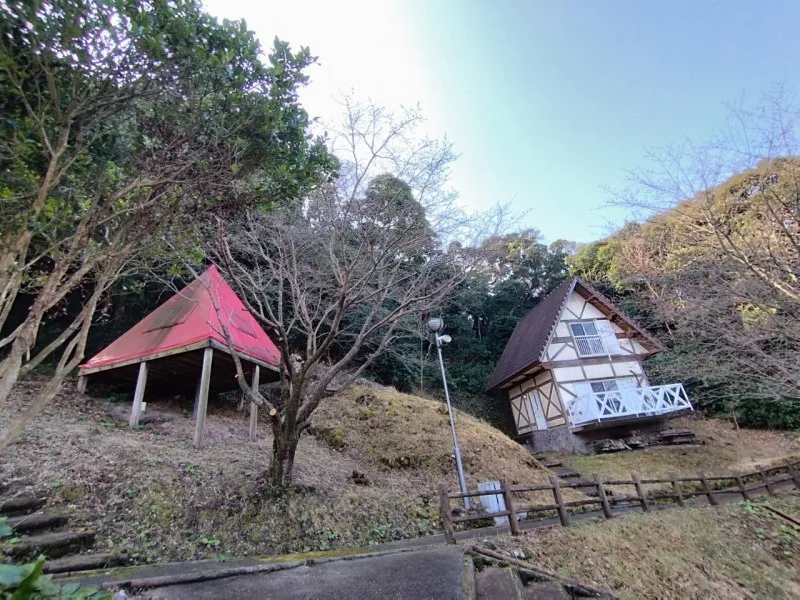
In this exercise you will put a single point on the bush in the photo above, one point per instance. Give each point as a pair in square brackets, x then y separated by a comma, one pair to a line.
[769, 415]
[26, 582]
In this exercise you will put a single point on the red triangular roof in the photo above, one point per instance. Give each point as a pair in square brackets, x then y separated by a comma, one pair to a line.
[189, 318]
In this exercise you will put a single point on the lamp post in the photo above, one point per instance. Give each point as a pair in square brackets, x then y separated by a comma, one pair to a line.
[435, 325]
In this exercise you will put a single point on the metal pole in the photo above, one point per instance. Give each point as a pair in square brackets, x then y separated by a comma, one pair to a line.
[461, 482]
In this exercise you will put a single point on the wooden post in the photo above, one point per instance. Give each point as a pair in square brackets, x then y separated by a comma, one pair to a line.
[601, 492]
[138, 395]
[795, 475]
[513, 524]
[563, 515]
[707, 488]
[202, 397]
[676, 490]
[253, 405]
[197, 397]
[82, 381]
[765, 480]
[740, 485]
[640, 492]
[447, 515]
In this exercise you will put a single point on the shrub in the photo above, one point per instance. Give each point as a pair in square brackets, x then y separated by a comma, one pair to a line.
[26, 582]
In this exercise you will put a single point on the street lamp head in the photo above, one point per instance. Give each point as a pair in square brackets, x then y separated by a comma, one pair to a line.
[435, 325]
[445, 339]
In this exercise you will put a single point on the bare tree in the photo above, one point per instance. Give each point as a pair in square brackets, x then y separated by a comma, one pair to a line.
[337, 281]
[719, 257]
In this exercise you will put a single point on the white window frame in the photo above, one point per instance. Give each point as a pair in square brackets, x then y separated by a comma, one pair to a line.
[604, 383]
[588, 341]
[612, 399]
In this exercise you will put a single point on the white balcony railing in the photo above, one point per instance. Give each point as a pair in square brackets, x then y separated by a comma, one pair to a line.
[637, 402]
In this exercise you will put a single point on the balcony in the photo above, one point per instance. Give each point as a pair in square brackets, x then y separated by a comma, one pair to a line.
[615, 407]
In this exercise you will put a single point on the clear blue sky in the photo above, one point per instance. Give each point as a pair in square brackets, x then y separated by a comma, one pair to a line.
[546, 102]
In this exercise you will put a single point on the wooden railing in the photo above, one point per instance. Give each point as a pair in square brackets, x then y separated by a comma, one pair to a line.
[679, 491]
[636, 402]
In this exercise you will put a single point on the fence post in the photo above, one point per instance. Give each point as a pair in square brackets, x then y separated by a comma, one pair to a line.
[447, 515]
[795, 475]
[740, 485]
[676, 490]
[601, 492]
[765, 480]
[640, 492]
[707, 488]
[513, 524]
[563, 515]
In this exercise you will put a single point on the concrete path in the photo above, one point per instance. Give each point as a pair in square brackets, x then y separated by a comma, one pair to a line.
[440, 573]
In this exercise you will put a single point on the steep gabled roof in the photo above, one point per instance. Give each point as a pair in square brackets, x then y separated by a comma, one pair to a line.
[187, 319]
[531, 336]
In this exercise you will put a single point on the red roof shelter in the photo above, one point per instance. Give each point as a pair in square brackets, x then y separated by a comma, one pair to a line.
[180, 347]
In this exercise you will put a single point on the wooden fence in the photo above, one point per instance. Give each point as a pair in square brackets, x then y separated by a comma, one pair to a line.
[710, 487]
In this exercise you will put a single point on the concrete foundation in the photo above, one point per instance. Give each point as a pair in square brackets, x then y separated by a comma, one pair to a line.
[562, 439]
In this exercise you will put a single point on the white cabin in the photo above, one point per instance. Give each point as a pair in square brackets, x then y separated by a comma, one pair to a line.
[573, 372]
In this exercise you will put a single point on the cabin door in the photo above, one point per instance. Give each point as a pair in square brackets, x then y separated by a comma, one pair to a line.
[535, 402]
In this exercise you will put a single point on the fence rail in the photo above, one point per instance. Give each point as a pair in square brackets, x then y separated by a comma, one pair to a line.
[765, 478]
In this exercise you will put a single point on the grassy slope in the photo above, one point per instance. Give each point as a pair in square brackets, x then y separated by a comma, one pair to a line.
[736, 551]
[721, 450]
[393, 431]
[151, 493]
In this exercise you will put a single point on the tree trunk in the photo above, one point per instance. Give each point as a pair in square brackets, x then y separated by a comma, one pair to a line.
[12, 363]
[284, 446]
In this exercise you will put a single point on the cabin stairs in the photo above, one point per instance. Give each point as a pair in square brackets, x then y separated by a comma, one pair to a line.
[40, 527]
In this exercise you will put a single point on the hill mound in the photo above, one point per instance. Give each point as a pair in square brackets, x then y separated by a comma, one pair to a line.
[391, 431]
[368, 474]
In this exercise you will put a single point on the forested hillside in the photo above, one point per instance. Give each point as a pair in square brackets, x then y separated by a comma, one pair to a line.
[716, 273]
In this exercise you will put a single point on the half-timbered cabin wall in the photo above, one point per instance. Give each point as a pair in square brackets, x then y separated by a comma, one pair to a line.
[574, 373]
[535, 403]
[562, 346]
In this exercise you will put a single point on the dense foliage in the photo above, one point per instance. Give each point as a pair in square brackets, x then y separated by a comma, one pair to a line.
[515, 272]
[126, 125]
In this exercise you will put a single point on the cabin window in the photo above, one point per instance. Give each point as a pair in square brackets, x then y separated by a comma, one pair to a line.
[609, 385]
[587, 339]
[607, 389]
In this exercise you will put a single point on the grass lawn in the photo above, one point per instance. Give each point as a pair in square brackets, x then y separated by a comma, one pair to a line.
[721, 450]
[734, 552]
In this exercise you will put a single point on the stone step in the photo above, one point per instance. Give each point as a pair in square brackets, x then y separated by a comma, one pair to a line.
[12, 485]
[493, 583]
[84, 562]
[566, 472]
[553, 464]
[52, 545]
[545, 590]
[37, 522]
[22, 504]
[676, 433]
